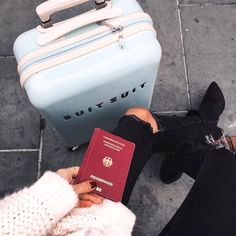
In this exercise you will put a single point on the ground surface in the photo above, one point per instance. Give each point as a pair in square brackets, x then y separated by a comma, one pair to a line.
[198, 38]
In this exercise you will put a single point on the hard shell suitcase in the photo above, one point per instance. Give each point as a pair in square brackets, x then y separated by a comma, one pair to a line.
[85, 72]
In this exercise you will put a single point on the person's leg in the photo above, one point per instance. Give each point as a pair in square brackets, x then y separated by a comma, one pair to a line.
[176, 131]
[180, 144]
[175, 164]
[195, 130]
[173, 132]
[137, 126]
[210, 207]
[190, 163]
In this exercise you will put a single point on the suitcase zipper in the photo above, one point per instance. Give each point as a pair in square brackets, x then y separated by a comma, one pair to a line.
[113, 30]
[69, 42]
[116, 29]
[133, 29]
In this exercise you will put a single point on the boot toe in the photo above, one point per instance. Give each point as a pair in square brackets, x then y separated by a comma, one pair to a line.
[168, 172]
[213, 103]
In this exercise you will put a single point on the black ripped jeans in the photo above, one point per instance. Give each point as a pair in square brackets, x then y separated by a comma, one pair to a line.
[210, 207]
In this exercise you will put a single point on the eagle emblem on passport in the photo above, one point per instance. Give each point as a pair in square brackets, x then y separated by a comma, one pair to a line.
[107, 161]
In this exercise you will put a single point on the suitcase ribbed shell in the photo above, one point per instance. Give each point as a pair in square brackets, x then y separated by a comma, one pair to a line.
[94, 87]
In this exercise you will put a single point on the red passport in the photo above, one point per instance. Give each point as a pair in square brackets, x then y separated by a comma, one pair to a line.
[107, 161]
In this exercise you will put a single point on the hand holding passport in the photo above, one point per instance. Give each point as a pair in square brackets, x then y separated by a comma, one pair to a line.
[107, 161]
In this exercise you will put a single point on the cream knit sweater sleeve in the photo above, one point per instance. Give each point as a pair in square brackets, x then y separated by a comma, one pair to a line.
[35, 211]
[48, 208]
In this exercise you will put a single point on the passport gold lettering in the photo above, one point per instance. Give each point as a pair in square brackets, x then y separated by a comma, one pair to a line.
[101, 180]
[112, 146]
[121, 144]
[107, 145]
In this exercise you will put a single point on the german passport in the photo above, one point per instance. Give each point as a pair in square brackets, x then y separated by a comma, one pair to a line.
[107, 161]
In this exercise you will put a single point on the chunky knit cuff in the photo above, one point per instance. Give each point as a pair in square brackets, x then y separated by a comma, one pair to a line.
[108, 218]
[120, 218]
[36, 210]
[55, 194]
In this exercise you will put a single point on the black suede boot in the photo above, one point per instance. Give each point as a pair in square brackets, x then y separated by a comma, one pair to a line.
[193, 133]
[169, 172]
[212, 105]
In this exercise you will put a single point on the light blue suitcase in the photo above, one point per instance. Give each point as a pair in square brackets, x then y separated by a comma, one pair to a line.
[85, 72]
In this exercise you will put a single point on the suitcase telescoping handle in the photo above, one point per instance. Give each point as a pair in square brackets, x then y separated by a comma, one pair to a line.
[79, 21]
[46, 9]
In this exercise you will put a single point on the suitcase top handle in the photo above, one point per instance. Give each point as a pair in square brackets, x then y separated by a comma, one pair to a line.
[79, 21]
[46, 9]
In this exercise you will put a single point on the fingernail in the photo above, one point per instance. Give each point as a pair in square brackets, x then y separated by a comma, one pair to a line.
[93, 184]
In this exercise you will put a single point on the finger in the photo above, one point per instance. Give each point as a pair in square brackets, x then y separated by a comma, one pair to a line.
[91, 198]
[71, 174]
[84, 187]
[64, 174]
[74, 170]
[100, 197]
[84, 203]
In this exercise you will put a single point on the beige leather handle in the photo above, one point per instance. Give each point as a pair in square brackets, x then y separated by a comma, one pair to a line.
[46, 9]
[78, 22]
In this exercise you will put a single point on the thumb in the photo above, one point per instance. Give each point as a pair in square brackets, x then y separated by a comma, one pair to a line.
[84, 187]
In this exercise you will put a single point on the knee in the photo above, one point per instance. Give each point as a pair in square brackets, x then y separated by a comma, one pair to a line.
[143, 114]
